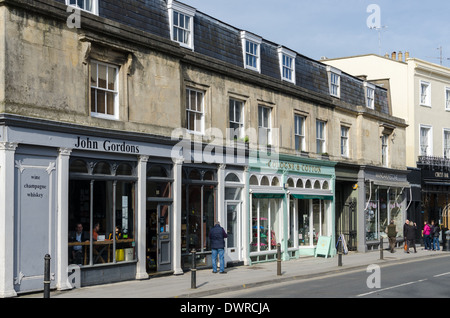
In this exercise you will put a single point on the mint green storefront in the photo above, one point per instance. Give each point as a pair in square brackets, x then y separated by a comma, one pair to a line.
[291, 202]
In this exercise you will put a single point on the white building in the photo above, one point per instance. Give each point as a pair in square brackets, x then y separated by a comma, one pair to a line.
[420, 94]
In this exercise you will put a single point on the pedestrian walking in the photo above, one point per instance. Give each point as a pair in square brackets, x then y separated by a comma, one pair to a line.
[217, 236]
[426, 236]
[435, 230]
[392, 235]
[411, 236]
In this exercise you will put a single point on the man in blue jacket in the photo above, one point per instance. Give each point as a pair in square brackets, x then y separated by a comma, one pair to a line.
[217, 236]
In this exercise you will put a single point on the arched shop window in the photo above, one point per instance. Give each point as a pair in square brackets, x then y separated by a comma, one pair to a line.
[199, 211]
[102, 203]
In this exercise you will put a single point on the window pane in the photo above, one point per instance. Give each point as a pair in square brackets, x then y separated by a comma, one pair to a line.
[101, 76]
[175, 18]
[93, 74]
[237, 109]
[112, 78]
[231, 111]
[93, 100]
[101, 101]
[110, 103]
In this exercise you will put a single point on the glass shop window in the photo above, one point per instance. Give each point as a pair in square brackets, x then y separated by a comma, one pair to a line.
[101, 212]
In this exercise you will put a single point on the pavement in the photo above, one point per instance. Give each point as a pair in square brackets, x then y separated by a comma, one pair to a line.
[209, 284]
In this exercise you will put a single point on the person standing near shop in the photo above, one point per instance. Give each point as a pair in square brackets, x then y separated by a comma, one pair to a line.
[405, 229]
[411, 236]
[426, 236]
[435, 236]
[217, 235]
[392, 235]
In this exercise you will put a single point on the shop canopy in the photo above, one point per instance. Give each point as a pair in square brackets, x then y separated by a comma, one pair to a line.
[312, 196]
[268, 195]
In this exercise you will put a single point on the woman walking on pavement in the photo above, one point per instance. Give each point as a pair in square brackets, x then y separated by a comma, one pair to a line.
[426, 236]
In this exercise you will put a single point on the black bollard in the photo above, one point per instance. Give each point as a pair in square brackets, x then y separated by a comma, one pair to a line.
[193, 271]
[279, 259]
[340, 253]
[381, 248]
[47, 276]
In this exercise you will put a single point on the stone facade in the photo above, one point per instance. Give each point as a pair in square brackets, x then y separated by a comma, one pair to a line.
[47, 97]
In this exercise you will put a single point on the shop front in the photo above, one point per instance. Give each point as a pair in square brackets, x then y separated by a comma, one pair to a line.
[435, 185]
[99, 203]
[291, 204]
[384, 199]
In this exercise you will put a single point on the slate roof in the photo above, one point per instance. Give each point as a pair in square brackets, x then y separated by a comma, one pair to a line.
[216, 39]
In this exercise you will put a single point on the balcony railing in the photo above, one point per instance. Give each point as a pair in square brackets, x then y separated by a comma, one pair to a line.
[433, 162]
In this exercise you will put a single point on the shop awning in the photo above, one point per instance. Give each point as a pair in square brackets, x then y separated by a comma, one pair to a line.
[312, 196]
[268, 195]
[391, 184]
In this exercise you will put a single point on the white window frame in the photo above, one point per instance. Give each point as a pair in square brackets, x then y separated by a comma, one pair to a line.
[261, 125]
[425, 100]
[287, 64]
[185, 11]
[94, 9]
[345, 141]
[429, 145]
[384, 150]
[446, 146]
[254, 42]
[447, 98]
[334, 81]
[321, 137]
[236, 103]
[197, 130]
[299, 132]
[97, 89]
[369, 89]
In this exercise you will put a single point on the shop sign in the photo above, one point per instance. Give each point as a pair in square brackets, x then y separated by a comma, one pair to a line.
[441, 174]
[299, 167]
[387, 176]
[105, 145]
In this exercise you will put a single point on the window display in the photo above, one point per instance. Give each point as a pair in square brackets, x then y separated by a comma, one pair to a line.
[265, 224]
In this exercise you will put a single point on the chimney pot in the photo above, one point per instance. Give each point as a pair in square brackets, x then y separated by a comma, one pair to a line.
[400, 56]
[394, 56]
[406, 56]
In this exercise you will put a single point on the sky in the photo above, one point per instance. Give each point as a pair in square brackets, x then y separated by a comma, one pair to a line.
[339, 28]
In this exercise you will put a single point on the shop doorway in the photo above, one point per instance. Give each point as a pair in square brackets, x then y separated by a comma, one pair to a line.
[233, 217]
[159, 250]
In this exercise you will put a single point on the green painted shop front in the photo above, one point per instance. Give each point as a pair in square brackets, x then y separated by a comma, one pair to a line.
[291, 203]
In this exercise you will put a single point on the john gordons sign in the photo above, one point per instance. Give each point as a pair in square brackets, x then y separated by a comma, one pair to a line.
[105, 145]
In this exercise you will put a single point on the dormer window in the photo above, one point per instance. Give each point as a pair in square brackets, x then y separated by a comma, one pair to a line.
[181, 19]
[287, 64]
[334, 81]
[370, 95]
[85, 5]
[251, 47]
